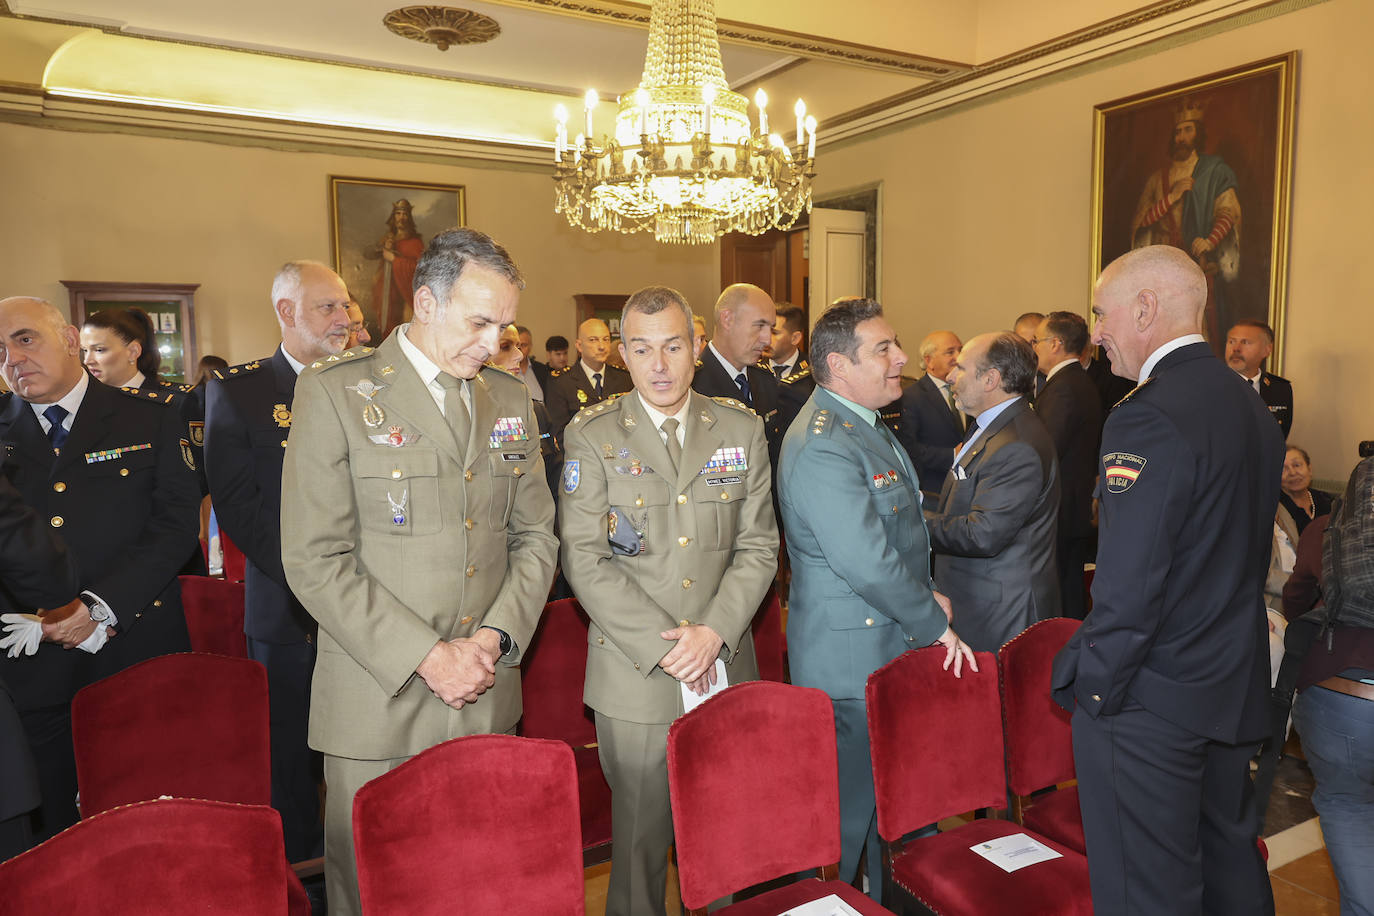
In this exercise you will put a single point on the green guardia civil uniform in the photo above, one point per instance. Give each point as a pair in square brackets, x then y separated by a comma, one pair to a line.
[396, 535]
[707, 545]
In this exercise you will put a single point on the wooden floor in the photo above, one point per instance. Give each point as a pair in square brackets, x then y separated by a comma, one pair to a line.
[598, 876]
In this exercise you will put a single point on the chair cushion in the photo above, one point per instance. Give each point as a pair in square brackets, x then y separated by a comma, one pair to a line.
[948, 877]
[1057, 816]
[784, 898]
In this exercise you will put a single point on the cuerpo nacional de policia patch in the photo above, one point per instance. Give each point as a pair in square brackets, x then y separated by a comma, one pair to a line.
[571, 475]
[1121, 470]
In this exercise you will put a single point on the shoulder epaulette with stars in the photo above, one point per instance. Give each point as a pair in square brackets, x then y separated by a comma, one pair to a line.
[819, 421]
[591, 410]
[698, 362]
[732, 402]
[1132, 393]
[797, 376]
[555, 373]
[162, 396]
[240, 369]
[335, 359]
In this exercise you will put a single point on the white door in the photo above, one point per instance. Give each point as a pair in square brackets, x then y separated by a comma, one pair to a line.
[836, 257]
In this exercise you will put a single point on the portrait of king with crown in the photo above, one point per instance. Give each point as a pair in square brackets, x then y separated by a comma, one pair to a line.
[1203, 166]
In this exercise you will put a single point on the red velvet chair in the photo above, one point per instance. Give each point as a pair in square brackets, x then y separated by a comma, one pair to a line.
[755, 793]
[551, 678]
[214, 615]
[481, 824]
[1039, 741]
[936, 742]
[169, 856]
[770, 645]
[191, 725]
[235, 563]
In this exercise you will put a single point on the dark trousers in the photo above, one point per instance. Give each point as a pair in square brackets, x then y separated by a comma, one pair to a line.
[858, 808]
[1072, 555]
[1169, 819]
[296, 769]
[49, 731]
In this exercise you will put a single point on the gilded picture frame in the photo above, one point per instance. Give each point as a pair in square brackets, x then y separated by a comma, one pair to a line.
[378, 229]
[1204, 164]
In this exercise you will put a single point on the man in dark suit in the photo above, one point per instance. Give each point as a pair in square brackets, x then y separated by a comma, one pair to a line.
[247, 425]
[861, 590]
[788, 363]
[529, 364]
[1248, 345]
[1170, 670]
[35, 571]
[110, 469]
[932, 426]
[993, 528]
[729, 364]
[1069, 406]
[590, 380]
[1110, 388]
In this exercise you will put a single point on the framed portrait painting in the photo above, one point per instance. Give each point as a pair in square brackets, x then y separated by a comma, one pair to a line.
[1204, 165]
[379, 229]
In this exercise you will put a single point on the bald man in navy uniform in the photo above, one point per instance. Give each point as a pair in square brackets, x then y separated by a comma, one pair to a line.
[1170, 671]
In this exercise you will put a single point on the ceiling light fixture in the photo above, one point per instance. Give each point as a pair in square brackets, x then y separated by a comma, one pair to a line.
[697, 167]
[442, 26]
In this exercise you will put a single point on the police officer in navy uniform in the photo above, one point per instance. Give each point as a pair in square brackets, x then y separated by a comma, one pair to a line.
[1248, 344]
[36, 570]
[107, 469]
[1170, 671]
[590, 380]
[248, 419]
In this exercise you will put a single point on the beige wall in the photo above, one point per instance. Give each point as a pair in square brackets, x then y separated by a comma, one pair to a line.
[94, 206]
[985, 211]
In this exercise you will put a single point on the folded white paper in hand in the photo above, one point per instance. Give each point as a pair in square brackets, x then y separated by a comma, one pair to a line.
[23, 633]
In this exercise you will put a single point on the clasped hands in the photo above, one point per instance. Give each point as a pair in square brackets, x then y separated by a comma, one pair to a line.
[458, 671]
[69, 626]
[693, 660]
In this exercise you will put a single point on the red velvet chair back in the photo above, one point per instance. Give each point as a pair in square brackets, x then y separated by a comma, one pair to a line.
[214, 615]
[755, 790]
[913, 703]
[191, 725]
[1039, 741]
[481, 824]
[768, 637]
[170, 856]
[235, 563]
[552, 675]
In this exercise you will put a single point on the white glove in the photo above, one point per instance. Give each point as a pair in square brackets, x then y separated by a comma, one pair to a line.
[23, 633]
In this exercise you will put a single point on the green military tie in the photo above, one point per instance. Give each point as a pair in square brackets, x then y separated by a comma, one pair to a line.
[455, 410]
[669, 428]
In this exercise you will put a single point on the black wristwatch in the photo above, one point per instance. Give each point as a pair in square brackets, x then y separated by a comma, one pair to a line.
[506, 643]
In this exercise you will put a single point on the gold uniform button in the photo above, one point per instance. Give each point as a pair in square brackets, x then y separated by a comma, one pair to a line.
[724, 494]
[894, 510]
[283, 443]
[683, 541]
[466, 620]
[868, 621]
[686, 583]
[683, 623]
[636, 666]
[467, 523]
[395, 473]
[138, 616]
[682, 499]
[59, 487]
[157, 602]
[518, 472]
[123, 472]
[1096, 698]
[470, 570]
[601, 640]
[56, 521]
[467, 475]
[639, 501]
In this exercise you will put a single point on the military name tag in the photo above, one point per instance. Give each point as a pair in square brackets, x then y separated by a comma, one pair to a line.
[512, 456]
[722, 481]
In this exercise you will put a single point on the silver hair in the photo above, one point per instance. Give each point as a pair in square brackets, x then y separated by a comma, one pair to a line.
[287, 284]
[653, 299]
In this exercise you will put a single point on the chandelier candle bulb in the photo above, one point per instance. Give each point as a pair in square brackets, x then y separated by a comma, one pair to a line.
[708, 95]
[642, 100]
[800, 110]
[592, 99]
[811, 137]
[761, 100]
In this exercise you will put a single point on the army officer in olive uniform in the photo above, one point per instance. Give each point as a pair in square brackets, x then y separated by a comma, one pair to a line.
[669, 542]
[417, 528]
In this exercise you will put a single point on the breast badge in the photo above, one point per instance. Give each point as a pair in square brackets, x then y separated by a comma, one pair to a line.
[373, 415]
[282, 414]
[394, 437]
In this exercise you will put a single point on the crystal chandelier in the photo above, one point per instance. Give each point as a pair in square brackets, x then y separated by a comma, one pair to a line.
[697, 168]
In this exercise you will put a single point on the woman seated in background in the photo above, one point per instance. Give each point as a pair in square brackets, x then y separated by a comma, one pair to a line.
[120, 350]
[1298, 502]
